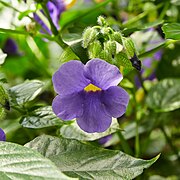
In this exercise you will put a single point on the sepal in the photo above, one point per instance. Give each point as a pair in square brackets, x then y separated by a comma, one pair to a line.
[129, 47]
[89, 36]
[94, 49]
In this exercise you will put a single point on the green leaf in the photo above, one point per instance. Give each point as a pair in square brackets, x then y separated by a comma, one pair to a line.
[2, 57]
[164, 96]
[73, 131]
[4, 98]
[40, 118]
[68, 55]
[26, 91]
[172, 31]
[129, 47]
[121, 59]
[129, 31]
[68, 17]
[80, 51]
[18, 162]
[81, 160]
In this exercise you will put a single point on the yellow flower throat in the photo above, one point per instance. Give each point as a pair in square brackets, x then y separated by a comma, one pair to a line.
[92, 87]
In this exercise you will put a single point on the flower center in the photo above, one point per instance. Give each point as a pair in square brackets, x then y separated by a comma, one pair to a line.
[92, 87]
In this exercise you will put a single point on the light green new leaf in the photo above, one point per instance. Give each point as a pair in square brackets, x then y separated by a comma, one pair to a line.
[81, 160]
[18, 162]
[40, 118]
[164, 96]
[25, 92]
[73, 131]
[172, 31]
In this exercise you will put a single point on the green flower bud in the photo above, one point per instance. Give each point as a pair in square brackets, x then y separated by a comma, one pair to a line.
[129, 47]
[101, 21]
[105, 30]
[117, 37]
[110, 46]
[106, 56]
[94, 49]
[89, 36]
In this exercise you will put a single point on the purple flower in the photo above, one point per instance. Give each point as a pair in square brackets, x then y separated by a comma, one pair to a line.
[89, 93]
[2, 135]
[10, 47]
[55, 8]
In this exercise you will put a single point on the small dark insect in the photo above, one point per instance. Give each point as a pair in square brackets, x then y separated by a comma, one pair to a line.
[136, 62]
[160, 32]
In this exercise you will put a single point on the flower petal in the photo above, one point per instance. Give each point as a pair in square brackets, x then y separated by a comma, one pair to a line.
[102, 74]
[2, 135]
[60, 5]
[94, 118]
[68, 107]
[54, 14]
[42, 24]
[70, 78]
[115, 100]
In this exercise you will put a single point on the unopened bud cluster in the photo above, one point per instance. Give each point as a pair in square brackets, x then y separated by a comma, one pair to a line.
[103, 42]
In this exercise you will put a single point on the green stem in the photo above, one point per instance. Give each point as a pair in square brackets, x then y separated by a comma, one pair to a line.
[25, 33]
[137, 145]
[54, 30]
[141, 81]
[169, 141]
[163, 12]
[137, 119]
[18, 109]
[135, 19]
[53, 27]
[124, 143]
[38, 62]
[138, 17]
[9, 31]
[59, 40]
[165, 44]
